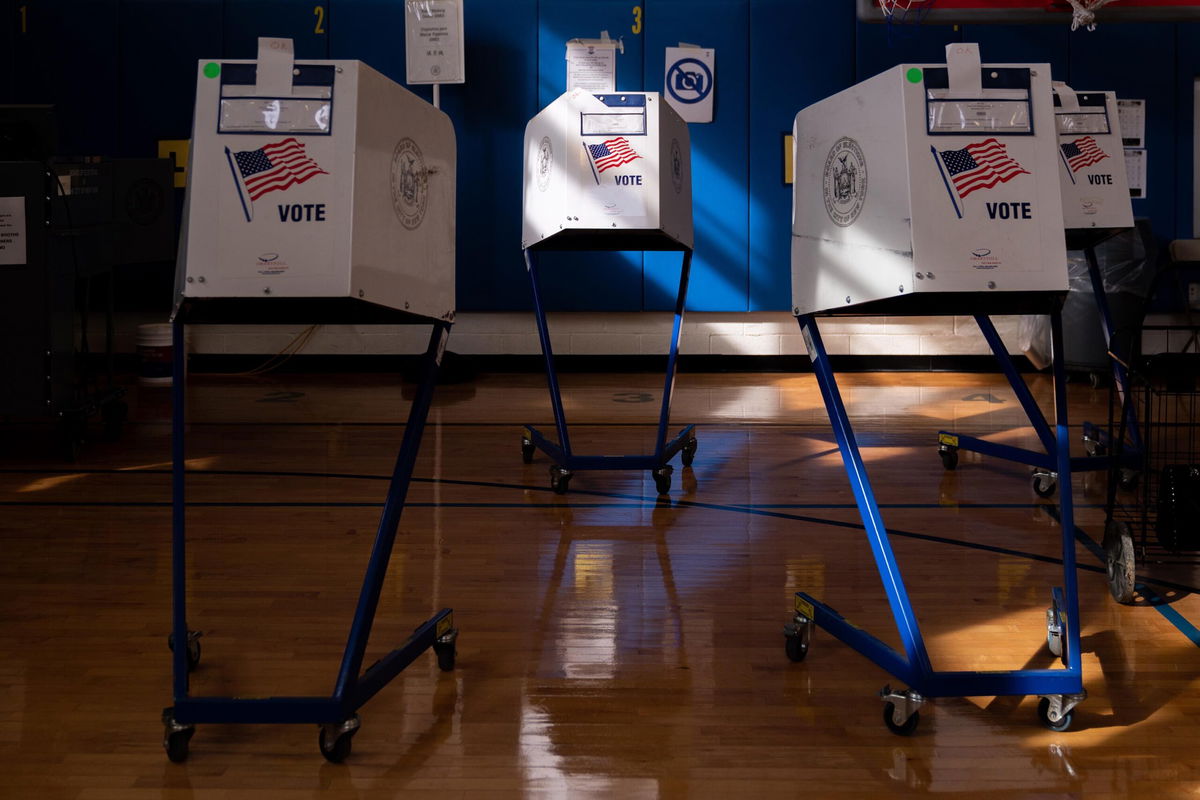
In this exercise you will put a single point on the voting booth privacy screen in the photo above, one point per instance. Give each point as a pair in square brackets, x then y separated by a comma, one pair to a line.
[928, 178]
[334, 183]
[609, 165]
[1095, 188]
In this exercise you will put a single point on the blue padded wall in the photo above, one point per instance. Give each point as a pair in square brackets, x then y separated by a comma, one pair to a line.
[306, 23]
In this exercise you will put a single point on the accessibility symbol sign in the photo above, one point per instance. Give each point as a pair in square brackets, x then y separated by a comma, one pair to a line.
[689, 81]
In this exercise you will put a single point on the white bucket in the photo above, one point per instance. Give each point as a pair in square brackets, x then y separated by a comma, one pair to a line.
[155, 354]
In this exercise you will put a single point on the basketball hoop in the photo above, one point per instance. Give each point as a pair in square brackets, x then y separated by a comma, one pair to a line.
[904, 12]
[1083, 13]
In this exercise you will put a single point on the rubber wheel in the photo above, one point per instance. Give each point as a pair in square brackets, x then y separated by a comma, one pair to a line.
[688, 454]
[909, 725]
[1054, 641]
[1044, 716]
[559, 479]
[193, 650]
[1127, 480]
[1044, 485]
[445, 656]
[335, 752]
[527, 450]
[1094, 449]
[662, 480]
[949, 457]
[795, 648]
[176, 744]
[1120, 561]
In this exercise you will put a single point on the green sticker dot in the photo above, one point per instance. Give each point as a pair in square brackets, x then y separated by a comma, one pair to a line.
[212, 69]
[914, 75]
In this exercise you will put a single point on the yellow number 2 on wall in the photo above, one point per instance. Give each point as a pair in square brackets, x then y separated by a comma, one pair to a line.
[319, 12]
[637, 19]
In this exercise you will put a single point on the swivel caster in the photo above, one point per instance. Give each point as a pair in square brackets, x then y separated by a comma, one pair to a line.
[446, 650]
[1054, 710]
[1094, 448]
[900, 710]
[1054, 631]
[176, 737]
[559, 478]
[193, 648]
[1127, 479]
[688, 454]
[527, 449]
[335, 739]
[796, 637]
[949, 456]
[662, 479]
[1044, 483]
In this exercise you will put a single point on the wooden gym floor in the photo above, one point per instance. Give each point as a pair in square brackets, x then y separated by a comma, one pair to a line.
[612, 645]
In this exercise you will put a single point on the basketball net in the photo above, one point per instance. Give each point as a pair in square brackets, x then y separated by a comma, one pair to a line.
[1084, 13]
[904, 12]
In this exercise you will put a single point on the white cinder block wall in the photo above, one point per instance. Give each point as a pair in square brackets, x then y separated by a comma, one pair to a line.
[587, 333]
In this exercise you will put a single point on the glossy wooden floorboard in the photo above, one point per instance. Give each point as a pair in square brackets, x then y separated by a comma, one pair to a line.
[612, 645]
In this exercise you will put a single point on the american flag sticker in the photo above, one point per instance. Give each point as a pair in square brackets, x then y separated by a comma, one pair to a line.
[611, 153]
[270, 168]
[1082, 153]
[980, 165]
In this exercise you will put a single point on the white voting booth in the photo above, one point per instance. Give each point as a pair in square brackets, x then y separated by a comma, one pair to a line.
[607, 172]
[928, 178]
[318, 192]
[603, 167]
[934, 189]
[322, 180]
[1095, 187]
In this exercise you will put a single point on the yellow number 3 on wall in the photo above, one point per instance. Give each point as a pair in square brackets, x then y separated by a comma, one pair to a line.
[637, 19]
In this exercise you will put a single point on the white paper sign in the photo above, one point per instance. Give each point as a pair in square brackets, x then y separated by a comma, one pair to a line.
[276, 59]
[1135, 168]
[689, 81]
[1132, 116]
[592, 65]
[434, 41]
[12, 230]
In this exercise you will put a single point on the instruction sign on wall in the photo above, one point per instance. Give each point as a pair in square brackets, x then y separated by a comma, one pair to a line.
[592, 65]
[433, 32]
[689, 81]
[12, 230]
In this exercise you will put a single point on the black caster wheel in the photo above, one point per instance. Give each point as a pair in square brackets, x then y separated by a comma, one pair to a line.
[1063, 723]
[1094, 449]
[193, 648]
[1054, 632]
[1120, 561]
[909, 725]
[527, 449]
[795, 647]
[559, 479]
[688, 454]
[1044, 484]
[176, 738]
[446, 654]
[1128, 479]
[949, 457]
[662, 479]
[336, 740]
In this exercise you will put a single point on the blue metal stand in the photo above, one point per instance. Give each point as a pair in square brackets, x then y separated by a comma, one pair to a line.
[336, 713]
[1045, 476]
[565, 461]
[1061, 689]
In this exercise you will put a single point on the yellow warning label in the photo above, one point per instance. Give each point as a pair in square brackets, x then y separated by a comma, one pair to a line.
[177, 151]
[948, 438]
[445, 624]
[804, 608]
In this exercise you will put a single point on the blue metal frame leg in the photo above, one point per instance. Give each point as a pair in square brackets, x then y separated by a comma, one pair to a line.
[565, 460]
[353, 687]
[1062, 687]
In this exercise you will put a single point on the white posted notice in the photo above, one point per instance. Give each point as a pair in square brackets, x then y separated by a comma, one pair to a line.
[12, 230]
[1132, 116]
[592, 66]
[689, 80]
[433, 31]
[1135, 169]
